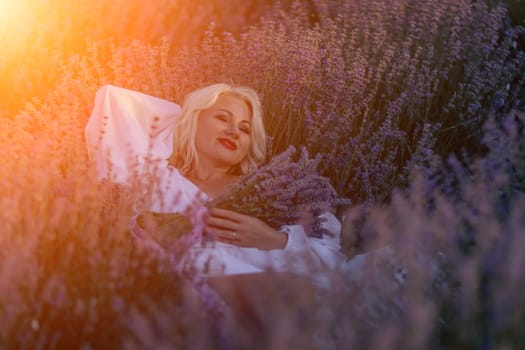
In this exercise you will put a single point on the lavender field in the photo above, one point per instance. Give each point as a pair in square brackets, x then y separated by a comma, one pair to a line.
[415, 108]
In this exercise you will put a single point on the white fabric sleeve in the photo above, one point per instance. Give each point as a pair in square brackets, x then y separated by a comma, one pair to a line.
[120, 134]
[325, 250]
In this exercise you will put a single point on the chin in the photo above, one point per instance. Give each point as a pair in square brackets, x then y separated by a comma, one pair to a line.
[230, 159]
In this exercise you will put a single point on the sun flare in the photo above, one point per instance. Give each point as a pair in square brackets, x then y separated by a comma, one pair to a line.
[25, 28]
[9, 9]
[14, 22]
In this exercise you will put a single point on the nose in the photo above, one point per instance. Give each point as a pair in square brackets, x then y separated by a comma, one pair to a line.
[233, 131]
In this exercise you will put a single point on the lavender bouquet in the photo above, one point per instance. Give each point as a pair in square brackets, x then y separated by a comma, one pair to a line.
[287, 190]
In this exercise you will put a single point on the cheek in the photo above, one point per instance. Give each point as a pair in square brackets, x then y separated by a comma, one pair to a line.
[245, 144]
[201, 140]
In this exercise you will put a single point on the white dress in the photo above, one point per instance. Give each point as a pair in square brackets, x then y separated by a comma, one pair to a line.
[129, 135]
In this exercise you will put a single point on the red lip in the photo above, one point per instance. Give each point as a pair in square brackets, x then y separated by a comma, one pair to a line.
[228, 144]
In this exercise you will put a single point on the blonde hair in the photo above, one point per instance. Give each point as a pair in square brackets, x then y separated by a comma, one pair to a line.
[184, 155]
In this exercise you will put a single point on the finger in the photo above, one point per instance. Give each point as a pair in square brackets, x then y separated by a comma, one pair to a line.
[228, 239]
[227, 214]
[221, 223]
[224, 235]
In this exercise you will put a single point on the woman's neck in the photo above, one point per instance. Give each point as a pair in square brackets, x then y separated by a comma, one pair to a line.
[209, 173]
[210, 180]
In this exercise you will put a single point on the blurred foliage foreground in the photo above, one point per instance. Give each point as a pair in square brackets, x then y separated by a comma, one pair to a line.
[414, 107]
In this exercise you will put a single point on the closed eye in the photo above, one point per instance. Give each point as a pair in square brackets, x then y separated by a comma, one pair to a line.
[222, 117]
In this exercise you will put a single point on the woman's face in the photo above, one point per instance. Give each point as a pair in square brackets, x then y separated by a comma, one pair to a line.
[223, 132]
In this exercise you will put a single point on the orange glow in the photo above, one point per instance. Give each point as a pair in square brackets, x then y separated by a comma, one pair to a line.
[8, 7]
[15, 27]
[11, 14]
[24, 49]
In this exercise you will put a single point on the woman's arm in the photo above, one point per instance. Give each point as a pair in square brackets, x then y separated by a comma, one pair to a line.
[289, 249]
[247, 231]
[126, 126]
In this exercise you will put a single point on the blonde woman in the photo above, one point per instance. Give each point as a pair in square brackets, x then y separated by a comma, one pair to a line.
[191, 155]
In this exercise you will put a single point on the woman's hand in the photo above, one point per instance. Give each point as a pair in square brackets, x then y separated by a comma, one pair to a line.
[243, 230]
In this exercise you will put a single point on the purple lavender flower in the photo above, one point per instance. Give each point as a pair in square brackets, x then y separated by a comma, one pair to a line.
[285, 191]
